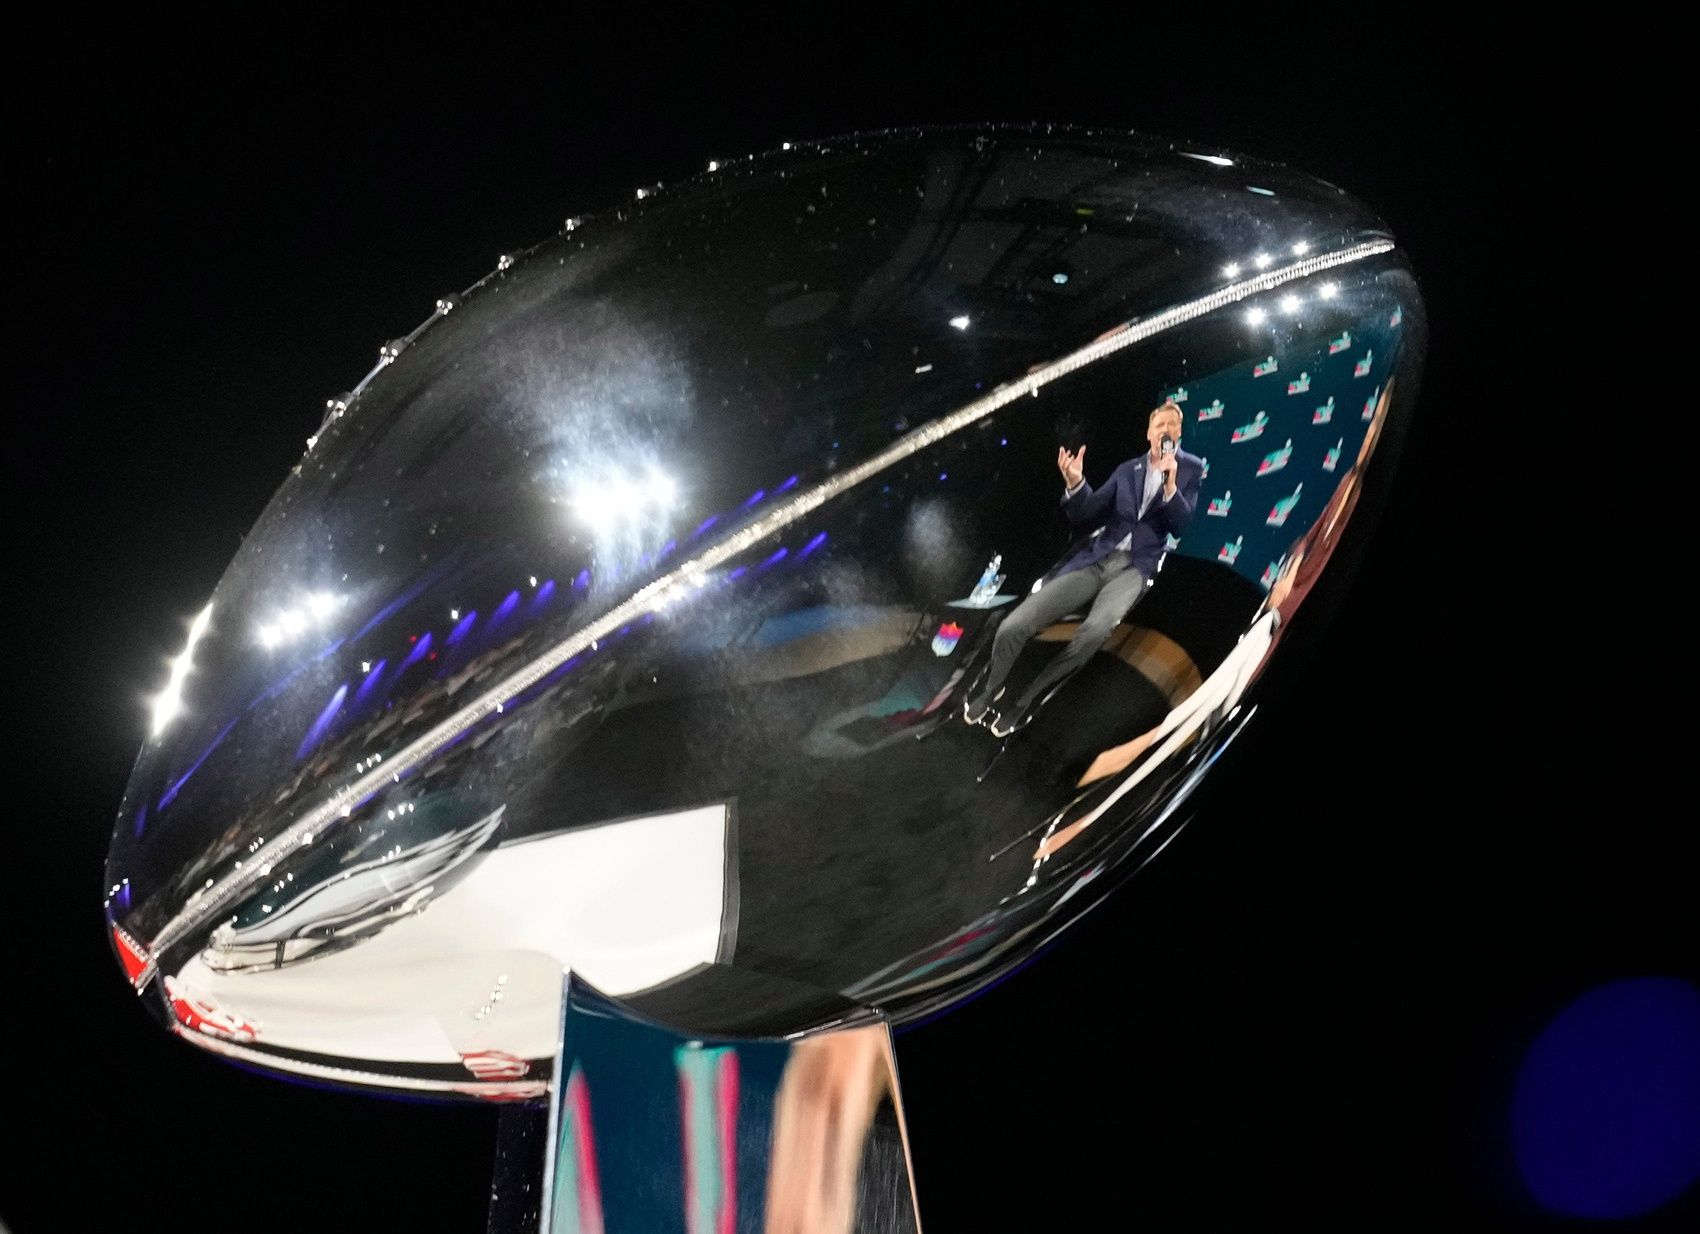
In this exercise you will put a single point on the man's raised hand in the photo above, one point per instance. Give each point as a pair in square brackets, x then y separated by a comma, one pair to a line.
[1072, 466]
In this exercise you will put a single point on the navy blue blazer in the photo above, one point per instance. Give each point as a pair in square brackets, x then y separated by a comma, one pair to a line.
[1115, 507]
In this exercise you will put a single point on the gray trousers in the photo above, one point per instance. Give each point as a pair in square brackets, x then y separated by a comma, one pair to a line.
[1111, 586]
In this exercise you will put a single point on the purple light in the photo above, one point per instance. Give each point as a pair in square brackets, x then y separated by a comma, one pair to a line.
[407, 597]
[370, 683]
[783, 487]
[554, 675]
[706, 523]
[1003, 441]
[773, 560]
[944, 475]
[122, 899]
[1605, 1120]
[504, 609]
[668, 548]
[170, 794]
[739, 572]
[141, 819]
[322, 725]
[543, 594]
[419, 649]
[812, 545]
[755, 497]
[581, 581]
[460, 631]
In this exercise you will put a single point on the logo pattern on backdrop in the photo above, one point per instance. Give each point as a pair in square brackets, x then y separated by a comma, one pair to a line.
[1280, 491]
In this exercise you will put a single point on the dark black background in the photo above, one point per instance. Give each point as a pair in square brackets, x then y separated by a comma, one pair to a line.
[1311, 1007]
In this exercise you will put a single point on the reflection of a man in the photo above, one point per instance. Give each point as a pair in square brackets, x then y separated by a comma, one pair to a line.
[1223, 689]
[1145, 500]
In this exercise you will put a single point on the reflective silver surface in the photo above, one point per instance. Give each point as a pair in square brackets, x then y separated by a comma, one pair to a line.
[625, 616]
[653, 1129]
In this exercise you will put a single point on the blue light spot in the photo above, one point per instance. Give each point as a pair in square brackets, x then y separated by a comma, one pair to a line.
[775, 559]
[170, 794]
[322, 725]
[788, 484]
[738, 572]
[141, 819]
[1605, 1119]
[754, 497]
[371, 682]
[706, 523]
[504, 609]
[406, 598]
[1059, 278]
[812, 545]
[581, 580]
[460, 631]
[944, 475]
[1003, 441]
[419, 649]
[543, 594]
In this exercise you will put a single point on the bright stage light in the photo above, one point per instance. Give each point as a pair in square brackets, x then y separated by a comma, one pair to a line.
[168, 703]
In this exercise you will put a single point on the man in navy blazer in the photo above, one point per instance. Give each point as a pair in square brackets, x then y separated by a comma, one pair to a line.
[1145, 500]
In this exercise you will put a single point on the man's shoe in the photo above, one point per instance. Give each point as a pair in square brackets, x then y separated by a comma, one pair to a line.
[976, 711]
[1004, 726]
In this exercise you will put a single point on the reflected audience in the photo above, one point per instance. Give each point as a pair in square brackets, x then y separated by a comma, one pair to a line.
[1146, 500]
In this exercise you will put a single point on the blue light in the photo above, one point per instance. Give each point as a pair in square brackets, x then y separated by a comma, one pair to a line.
[371, 682]
[706, 523]
[170, 794]
[543, 594]
[812, 545]
[739, 572]
[777, 557]
[581, 581]
[322, 725]
[409, 596]
[1605, 1119]
[141, 819]
[419, 649]
[459, 632]
[791, 482]
[754, 497]
[944, 475]
[504, 609]
[1059, 278]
